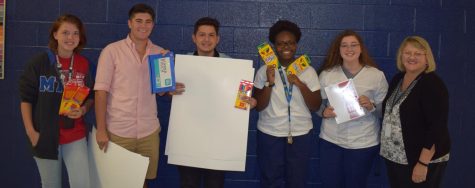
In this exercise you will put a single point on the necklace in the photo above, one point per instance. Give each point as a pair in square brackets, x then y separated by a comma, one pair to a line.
[70, 69]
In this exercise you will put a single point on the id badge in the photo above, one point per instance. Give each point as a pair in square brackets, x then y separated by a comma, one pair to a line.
[387, 130]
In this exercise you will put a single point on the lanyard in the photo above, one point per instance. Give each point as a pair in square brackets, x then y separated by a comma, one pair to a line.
[70, 69]
[287, 89]
[288, 95]
[396, 98]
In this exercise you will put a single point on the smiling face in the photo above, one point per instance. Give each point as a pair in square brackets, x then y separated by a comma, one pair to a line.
[350, 49]
[206, 39]
[141, 26]
[68, 37]
[286, 46]
[414, 59]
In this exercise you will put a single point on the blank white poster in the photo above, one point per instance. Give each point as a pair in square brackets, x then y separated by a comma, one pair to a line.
[205, 129]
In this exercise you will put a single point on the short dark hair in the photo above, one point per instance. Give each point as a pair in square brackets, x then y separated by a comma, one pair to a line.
[69, 18]
[284, 25]
[141, 8]
[207, 21]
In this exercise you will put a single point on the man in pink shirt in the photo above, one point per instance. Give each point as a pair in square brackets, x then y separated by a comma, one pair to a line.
[126, 109]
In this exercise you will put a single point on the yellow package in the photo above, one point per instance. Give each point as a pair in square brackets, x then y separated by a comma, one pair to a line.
[267, 54]
[67, 98]
[245, 88]
[299, 65]
[73, 97]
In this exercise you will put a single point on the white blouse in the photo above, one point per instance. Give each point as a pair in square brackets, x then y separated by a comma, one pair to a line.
[364, 131]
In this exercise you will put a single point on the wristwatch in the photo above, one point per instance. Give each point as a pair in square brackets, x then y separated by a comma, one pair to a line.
[268, 84]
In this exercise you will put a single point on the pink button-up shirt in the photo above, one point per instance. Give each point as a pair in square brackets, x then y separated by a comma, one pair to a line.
[131, 106]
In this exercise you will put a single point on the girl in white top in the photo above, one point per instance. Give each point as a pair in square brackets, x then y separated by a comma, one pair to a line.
[285, 103]
[348, 149]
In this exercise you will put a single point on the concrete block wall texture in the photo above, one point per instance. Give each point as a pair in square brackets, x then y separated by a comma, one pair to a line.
[448, 25]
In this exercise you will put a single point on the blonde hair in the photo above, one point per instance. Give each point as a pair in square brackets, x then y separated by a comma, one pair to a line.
[419, 43]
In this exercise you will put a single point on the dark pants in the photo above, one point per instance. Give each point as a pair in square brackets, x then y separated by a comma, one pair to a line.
[282, 164]
[345, 168]
[191, 177]
[401, 175]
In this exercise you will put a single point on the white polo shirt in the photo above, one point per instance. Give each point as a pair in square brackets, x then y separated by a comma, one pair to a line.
[274, 119]
[362, 132]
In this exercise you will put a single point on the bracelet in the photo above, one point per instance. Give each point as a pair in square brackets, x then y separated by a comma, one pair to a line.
[422, 163]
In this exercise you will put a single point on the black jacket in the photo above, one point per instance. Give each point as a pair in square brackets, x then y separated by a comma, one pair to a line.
[40, 86]
[424, 116]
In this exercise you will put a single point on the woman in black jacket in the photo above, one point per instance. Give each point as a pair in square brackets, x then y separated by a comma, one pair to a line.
[415, 139]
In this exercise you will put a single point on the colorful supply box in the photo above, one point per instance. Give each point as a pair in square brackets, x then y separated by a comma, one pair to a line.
[299, 65]
[267, 54]
[73, 97]
[162, 72]
[245, 89]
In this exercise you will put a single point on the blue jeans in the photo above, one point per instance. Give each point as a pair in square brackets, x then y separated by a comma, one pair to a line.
[345, 168]
[75, 158]
[283, 164]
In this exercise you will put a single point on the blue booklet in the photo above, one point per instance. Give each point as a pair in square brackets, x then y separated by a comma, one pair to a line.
[162, 72]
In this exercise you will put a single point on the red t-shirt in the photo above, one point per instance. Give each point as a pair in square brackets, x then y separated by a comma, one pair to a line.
[80, 70]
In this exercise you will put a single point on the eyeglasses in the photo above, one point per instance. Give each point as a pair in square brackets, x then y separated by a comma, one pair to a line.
[281, 44]
[68, 33]
[415, 54]
[351, 46]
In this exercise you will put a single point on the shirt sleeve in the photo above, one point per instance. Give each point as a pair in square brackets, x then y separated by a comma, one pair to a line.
[28, 82]
[261, 77]
[435, 106]
[310, 78]
[105, 70]
[322, 79]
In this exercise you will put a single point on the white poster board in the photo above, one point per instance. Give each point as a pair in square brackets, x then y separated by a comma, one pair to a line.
[205, 129]
[117, 167]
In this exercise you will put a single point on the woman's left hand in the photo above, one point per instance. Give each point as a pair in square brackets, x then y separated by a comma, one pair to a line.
[294, 79]
[365, 102]
[419, 173]
[77, 112]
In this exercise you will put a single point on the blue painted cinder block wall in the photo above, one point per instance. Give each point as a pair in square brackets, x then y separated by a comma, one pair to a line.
[449, 26]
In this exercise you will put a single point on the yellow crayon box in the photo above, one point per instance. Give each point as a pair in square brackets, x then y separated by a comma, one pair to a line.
[267, 54]
[245, 89]
[299, 65]
[73, 97]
